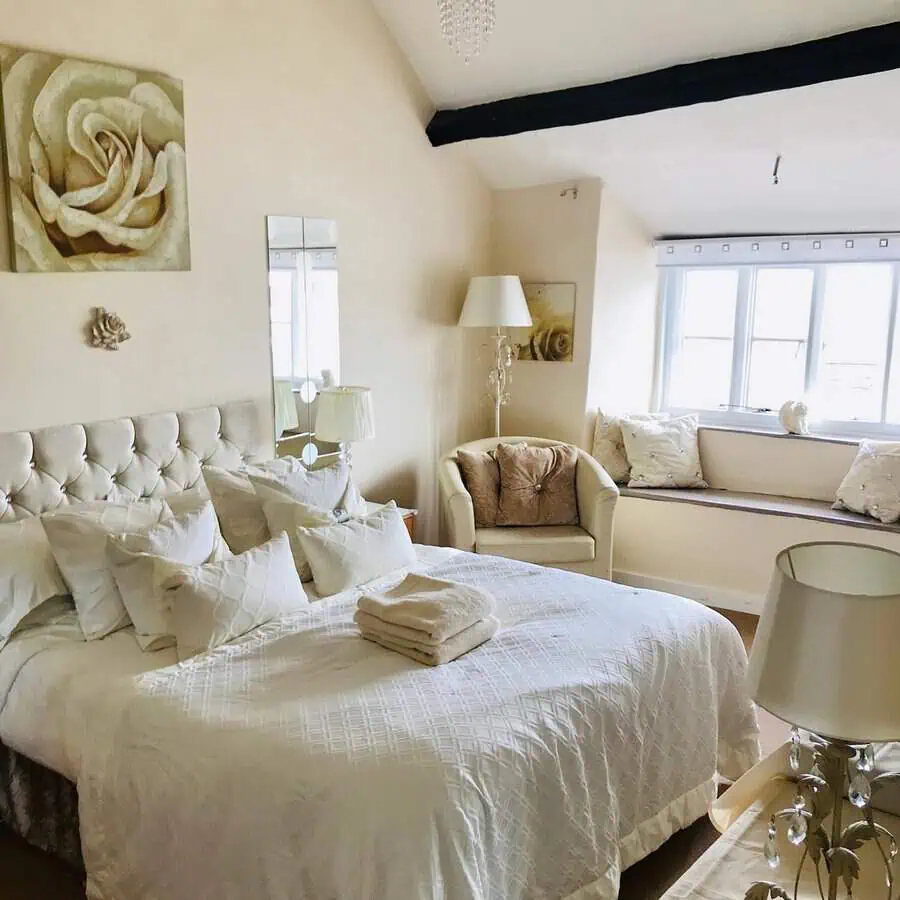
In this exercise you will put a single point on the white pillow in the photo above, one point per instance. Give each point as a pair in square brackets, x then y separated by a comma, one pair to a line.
[78, 539]
[872, 486]
[347, 555]
[237, 506]
[220, 601]
[288, 516]
[609, 446]
[192, 538]
[663, 454]
[28, 572]
[329, 488]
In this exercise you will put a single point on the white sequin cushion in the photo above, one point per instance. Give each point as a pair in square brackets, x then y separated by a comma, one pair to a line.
[663, 454]
[609, 445]
[872, 486]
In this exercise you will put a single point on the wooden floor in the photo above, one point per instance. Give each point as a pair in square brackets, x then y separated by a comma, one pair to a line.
[28, 874]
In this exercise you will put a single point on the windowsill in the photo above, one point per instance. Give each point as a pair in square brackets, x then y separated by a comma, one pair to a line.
[782, 435]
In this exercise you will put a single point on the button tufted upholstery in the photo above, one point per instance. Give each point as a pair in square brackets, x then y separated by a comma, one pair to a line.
[123, 459]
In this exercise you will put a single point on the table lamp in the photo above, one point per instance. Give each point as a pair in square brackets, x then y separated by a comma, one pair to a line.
[345, 415]
[825, 660]
[497, 301]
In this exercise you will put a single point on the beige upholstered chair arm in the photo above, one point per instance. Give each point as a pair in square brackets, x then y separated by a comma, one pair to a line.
[597, 496]
[457, 504]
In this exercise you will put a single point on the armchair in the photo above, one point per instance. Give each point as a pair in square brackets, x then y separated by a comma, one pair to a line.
[585, 548]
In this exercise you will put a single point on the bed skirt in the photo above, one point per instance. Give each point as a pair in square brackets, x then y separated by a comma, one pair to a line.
[41, 806]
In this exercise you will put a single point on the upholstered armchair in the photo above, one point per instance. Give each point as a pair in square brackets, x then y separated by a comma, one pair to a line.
[585, 548]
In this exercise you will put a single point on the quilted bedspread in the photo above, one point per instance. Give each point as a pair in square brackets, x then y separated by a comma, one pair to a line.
[306, 762]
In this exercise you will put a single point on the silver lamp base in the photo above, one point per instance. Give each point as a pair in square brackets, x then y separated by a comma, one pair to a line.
[815, 821]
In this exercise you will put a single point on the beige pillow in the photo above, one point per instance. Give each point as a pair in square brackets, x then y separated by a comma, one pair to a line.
[872, 486]
[288, 516]
[481, 476]
[609, 445]
[537, 485]
[329, 488]
[663, 454]
[220, 601]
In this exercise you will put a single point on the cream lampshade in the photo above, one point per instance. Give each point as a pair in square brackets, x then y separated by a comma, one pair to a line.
[345, 415]
[825, 657]
[497, 301]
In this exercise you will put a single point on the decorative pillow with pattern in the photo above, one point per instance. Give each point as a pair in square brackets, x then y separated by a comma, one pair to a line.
[872, 486]
[191, 538]
[481, 476]
[288, 516]
[220, 601]
[609, 445]
[663, 454]
[29, 575]
[350, 554]
[537, 485]
[77, 538]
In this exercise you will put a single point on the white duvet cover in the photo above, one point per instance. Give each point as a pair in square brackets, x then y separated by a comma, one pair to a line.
[306, 762]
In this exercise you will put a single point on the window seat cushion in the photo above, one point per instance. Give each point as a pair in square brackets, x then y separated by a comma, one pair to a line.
[762, 504]
[537, 543]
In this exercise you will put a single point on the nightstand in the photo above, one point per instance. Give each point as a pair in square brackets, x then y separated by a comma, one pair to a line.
[409, 516]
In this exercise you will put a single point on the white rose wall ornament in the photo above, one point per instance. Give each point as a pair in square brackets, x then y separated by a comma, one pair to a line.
[95, 165]
[794, 416]
[106, 330]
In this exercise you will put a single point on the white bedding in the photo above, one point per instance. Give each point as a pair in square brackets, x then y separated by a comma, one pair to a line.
[304, 762]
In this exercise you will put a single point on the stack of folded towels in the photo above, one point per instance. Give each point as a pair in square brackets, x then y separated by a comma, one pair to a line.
[427, 619]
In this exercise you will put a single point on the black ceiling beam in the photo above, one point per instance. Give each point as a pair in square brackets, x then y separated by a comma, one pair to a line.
[846, 55]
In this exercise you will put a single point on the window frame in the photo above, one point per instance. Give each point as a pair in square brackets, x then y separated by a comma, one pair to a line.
[672, 275]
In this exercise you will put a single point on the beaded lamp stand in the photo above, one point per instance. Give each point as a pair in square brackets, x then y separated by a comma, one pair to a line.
[820, 798]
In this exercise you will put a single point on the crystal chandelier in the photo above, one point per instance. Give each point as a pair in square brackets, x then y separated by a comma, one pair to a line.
[466, 24]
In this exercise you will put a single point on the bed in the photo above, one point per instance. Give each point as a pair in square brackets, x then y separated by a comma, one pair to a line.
[302, 762]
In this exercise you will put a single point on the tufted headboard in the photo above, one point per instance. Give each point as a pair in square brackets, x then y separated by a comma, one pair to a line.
[122, 459]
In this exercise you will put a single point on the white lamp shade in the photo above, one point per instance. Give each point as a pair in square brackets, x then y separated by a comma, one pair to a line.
[495, 301]
[345, 414]
[825, 657]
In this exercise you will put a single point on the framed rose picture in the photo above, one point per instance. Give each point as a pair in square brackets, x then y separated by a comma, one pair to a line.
[551, 337]
[96, 175]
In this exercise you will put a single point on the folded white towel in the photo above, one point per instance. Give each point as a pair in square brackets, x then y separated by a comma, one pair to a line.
[439, 608]
[431, 655]
[397, 632]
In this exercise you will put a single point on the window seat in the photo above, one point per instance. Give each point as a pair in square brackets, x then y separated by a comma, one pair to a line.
[762, 504]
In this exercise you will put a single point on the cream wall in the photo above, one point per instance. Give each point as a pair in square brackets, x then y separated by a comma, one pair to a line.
[541, 236]
[302, 108]
[623, 327]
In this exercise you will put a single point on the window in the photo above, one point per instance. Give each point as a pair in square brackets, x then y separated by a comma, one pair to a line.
[740, 340]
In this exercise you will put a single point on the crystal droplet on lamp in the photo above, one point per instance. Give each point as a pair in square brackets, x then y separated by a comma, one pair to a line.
[860, 791]
[794, 758]
[797, 829]
[865, 762]
[799, 800]
[770, 848]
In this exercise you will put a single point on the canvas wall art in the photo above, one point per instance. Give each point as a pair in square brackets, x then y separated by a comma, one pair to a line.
[96, 176]
[552, 334]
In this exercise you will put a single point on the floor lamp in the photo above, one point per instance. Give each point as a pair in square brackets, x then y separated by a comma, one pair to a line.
[497, 301]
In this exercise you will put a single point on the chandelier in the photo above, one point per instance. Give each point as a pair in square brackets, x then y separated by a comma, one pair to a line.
[466, 24]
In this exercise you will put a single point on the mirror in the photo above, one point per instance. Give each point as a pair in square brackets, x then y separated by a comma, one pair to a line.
[305, 334]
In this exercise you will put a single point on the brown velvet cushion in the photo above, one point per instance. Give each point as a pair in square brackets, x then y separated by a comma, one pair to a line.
[537, 485]
[481, 476]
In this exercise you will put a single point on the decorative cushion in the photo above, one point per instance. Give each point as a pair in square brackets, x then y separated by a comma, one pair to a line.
[78, 539]
[481, 476]
[663, 454]
[537, 485]
[28, 573]
[330, 488]
[872, 486]
[347, 555]
[220, 601]
[237, 505]
[609, 445]
[289, 515]
[192, 538]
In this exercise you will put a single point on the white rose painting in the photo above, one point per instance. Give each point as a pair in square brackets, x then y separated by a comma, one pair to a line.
[96, 173]
[551, 337]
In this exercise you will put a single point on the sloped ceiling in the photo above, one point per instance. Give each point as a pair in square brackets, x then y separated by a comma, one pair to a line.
[699, 170]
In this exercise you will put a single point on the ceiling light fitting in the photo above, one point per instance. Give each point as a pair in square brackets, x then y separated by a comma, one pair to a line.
[466, 24]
